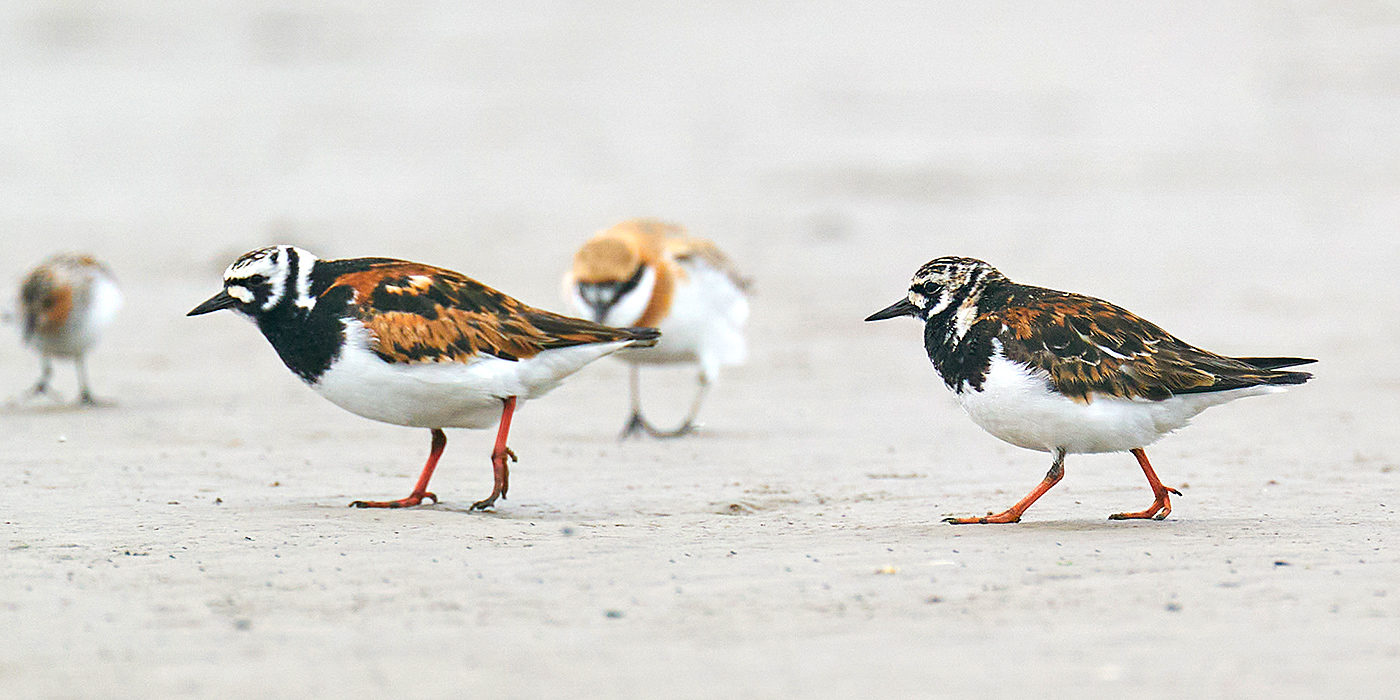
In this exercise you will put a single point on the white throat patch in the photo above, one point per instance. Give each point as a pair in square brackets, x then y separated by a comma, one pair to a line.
[964, 318]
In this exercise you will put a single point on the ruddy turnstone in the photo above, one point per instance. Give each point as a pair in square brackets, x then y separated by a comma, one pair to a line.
[1069, 374]
[410, 344]
[65, 305]
[653, 274]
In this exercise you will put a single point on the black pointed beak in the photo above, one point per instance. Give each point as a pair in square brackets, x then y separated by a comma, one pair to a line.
[899, 308]
[222, 300]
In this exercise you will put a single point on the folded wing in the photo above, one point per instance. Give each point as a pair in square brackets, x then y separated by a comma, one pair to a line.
[1088, 346]
[418, 313]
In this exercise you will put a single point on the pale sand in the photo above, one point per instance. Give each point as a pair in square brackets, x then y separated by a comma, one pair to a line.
[1228, 172]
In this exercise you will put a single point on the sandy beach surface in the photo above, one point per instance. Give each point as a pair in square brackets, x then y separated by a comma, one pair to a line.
[1227, 170]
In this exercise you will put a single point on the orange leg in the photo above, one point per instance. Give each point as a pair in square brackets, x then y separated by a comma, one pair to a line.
[420, 491]
[1013, 514]
[1161, 504]
[498, 459]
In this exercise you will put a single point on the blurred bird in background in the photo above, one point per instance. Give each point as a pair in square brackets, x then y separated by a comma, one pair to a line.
[649, 273]
[65, 304]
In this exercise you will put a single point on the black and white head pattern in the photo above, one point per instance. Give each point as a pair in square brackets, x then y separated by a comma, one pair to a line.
[947, 282]
[263, 278]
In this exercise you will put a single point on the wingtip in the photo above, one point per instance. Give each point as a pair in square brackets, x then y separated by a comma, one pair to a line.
[1286, 378]
[1276, 362]
[643, 337]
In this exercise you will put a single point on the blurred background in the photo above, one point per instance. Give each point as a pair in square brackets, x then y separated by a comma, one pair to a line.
[1228, 169]
[495, 136]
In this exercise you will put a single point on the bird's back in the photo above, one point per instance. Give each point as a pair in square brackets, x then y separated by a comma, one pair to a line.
[1088, 346]
[418, 313]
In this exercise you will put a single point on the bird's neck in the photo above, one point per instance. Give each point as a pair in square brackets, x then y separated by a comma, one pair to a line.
[959, 345]
[307, 340]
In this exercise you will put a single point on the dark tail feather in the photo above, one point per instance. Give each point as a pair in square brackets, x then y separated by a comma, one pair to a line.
[1243, 372]
[1277, 362]
[1288, 378]
[642, 337]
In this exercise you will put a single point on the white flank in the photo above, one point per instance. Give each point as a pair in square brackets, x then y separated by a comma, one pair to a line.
[705, 324]
[93, 311]
[444, 394]
[1017, 405]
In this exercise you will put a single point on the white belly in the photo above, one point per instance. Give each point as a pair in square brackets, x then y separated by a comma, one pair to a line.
[92, 312]
[447, 394]
[1017, 405]
[699, 329]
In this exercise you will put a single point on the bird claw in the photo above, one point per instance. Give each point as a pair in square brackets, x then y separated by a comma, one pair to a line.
[682, 431]
[634, 427]
[89, 401]
[485, 503]
[638, 425]
[498, 462]
[410, 501]
[40, 391]
[988, 519]
[1158, 511]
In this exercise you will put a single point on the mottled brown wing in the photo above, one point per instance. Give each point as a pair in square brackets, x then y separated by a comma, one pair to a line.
[45, 302]
[418, 313]
[1088, 346]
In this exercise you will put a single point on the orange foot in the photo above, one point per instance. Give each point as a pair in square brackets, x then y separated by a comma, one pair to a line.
[412, 500]
[485, 503]
[1159, 510]
[1009, 516]
[498, 464]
